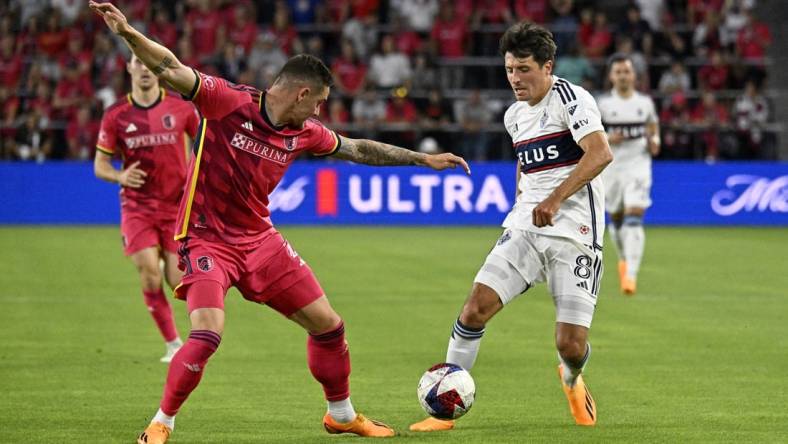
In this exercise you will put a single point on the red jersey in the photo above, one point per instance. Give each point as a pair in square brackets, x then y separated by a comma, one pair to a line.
[241, 158]
[154, 135]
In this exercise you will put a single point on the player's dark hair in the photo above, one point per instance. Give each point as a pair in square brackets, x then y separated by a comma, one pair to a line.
[526, 39]
[618, 58]
[305, 68]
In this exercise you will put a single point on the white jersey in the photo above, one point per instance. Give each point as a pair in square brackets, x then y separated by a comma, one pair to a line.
[629, 116]
[545, 139]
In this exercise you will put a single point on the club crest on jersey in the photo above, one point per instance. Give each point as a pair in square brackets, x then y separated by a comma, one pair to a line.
[543, 120]
[168, 121]
[505, 237]
[205, 263]
[291, 143]
[584, 229]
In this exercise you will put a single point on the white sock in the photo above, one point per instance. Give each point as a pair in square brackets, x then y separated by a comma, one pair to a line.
[464, 345]
[175, 343]
[634, 240]
[615, 236]
[571, 372]
[167, 420]
[341, 411]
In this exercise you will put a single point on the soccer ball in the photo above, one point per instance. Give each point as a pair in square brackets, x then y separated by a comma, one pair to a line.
[446, 391]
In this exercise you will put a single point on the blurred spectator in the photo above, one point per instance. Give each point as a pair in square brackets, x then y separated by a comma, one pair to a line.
[575, 68]
[707, 36]
[29, 8]
[69, 9]
[82, 133]
[77, 55]
[389, 68]
[107, 61]
[675, 46]
[710, 116]
[449, 33]
[41, 103]
[564, 25]
[32, 140]
[715, 75]
[598, 40]
[109, 93]
[303, 11]
[349, 72]
[187, 55]
[699, 10]
[532, 10]
[674, 80]
[401, 110]
[406, 40]
[162, 30]
[425, 72]
[734, 19]
[753, 40]
[492, 11]
[230, 63]
[677, 140]
[336, 114]
[751, 111]
[53, 39]
[204, 28]
[363, 33]
[635, 27]
[651, 11]
[242, 27]
[419, 14]
[72, 90]
[266, 59]
[474, 115]
[368, 110]
[10, 63]
[436, 114]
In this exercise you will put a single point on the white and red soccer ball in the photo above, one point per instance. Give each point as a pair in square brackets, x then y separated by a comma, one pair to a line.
[446, 391]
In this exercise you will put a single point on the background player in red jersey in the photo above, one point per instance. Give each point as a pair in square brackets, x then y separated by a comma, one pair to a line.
[246, 141]
[150, 130]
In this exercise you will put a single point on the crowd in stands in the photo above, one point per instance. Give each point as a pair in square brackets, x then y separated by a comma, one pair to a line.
[421, 73]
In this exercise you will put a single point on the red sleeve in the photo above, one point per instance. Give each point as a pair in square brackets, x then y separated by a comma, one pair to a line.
[322, 141]
[107, 137]
[215, 97]
[192, 122]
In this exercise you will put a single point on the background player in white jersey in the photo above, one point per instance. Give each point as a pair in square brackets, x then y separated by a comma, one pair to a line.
[554, 232]
[633, 131]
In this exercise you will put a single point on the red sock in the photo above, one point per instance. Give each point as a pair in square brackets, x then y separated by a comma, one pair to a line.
[329, 362]
[160, 309]
[186, 369]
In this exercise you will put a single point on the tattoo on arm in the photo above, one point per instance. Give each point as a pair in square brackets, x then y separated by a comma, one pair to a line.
[162, 66]
[370, 152]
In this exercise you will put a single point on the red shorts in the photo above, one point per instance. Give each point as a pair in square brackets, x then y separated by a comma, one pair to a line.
[143, 230]
[267, 271]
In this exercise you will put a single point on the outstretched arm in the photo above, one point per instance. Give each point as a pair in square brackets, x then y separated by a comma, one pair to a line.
[160, 60]
[371, 152]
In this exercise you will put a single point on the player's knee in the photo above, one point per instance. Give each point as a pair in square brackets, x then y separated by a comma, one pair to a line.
[150, 276]
[571, 348]
[208, 319]
[480, 307]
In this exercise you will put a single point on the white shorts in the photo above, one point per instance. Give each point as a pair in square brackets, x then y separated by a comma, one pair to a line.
[627, 191]
[520, 259]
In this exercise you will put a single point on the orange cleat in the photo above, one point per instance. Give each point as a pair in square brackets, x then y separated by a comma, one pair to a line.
[432, 425]
[156, 433]
[581, 404]
[361, 426]
[628, 285]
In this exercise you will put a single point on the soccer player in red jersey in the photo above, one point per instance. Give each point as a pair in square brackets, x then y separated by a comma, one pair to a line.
[245, 143]
[150, 130]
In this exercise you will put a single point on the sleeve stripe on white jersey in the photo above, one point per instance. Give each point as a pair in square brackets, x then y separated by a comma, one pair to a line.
[561, 94]
[567, 88]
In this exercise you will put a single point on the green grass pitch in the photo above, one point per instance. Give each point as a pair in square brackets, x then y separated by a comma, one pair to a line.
[699, 355]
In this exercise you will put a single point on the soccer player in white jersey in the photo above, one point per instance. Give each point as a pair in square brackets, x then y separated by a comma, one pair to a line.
[554, 231]
[633, 132]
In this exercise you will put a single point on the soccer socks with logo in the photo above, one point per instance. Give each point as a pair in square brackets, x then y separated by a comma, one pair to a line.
[186, 369]
[328, 358]
[574, 369]
[464, 345]
[633, 239]
[161, 311]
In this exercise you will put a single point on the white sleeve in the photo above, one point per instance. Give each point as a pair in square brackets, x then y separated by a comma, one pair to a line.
[582, 115]
[652, 116]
